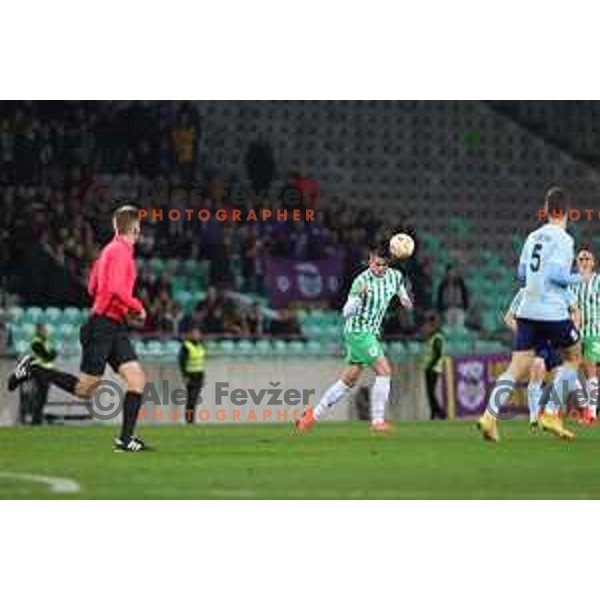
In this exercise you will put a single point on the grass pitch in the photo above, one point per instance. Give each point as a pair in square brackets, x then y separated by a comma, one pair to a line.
[336, 461]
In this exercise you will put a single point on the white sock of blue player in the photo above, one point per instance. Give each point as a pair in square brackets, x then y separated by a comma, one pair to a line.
[379, 398]
[565, 382]
[331, 397]
[505, 384]
[534, 395]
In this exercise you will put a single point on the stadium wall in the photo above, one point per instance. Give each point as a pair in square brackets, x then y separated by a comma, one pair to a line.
[228, 388]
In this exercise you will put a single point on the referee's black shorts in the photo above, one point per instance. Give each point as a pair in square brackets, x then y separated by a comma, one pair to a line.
[103, 341]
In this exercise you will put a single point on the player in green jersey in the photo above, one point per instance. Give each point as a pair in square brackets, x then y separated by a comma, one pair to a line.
[588, 298]
[368, 300]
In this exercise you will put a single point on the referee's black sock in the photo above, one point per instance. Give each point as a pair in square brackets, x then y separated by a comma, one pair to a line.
[131, 408]
[65, 381]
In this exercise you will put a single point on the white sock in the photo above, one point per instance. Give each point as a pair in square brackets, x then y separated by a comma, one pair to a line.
[592, 393]
[534, 395]
[502, 391]
[330, 398]
[379, 397]
[565, 381]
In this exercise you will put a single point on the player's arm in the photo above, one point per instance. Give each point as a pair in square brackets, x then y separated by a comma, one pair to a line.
[523, 262]
[405, 298]
[560, 270]
[510, 320]
[357, 294]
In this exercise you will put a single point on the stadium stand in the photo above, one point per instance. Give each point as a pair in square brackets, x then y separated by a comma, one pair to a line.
[369, 168]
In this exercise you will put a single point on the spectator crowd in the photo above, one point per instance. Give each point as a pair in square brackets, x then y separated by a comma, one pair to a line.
[65, 164]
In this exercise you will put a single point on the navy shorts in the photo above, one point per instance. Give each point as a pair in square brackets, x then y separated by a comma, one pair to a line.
[533, 334]
[550, 354]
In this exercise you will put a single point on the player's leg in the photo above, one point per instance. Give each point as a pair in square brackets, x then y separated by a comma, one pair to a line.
[39, 401]
[380, 393]
[520, 366]
[565, 336]
[332, 396]
[534, 389]
[96, 345]
[518, 370]
[590, 362]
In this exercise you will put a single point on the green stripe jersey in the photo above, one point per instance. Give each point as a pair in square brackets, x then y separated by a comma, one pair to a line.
[380, 291]
[588, 298]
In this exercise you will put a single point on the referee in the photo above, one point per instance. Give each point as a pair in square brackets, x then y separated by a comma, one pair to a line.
[105, 336]
[191, 364]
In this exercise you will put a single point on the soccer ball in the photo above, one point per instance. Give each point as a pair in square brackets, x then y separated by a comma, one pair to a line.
[402, 245]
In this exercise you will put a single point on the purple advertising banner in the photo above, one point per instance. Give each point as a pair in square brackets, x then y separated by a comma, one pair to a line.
[302, 280]
[468, 380]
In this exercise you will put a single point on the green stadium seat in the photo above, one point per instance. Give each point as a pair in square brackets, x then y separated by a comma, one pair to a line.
[212, 346]
[67, 332]
[227, 347]
[15, 313]
[280, 347]
[173, 266]
[245, 347]
[154, 349]
[157, 266]
[26, 329]
[139, 347]
[21, 347]
[263, 347]
[52, 315]
[314, 347]
[71, 314]
[296, 347]
[34, 314]
[171, 349]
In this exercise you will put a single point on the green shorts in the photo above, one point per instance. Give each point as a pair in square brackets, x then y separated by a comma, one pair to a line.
[591, 348]
[362, 348]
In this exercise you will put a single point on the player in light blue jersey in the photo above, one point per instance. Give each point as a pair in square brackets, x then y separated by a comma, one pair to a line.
[545, 269]
[547, 357]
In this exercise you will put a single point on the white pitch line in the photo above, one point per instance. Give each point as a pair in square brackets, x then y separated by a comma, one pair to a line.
[60, 485]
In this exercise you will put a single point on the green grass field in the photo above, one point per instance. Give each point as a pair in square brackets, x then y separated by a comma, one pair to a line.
[337, 460]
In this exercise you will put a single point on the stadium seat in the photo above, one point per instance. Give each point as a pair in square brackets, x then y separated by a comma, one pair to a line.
[15, 313]
[226, 347]
[52, 315]
[34, 314]
[245, 347]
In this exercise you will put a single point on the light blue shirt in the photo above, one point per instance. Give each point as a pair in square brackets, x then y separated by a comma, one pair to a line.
[545, 265]
[569, 295]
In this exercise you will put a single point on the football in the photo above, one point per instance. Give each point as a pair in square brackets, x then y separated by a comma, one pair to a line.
[402, 245]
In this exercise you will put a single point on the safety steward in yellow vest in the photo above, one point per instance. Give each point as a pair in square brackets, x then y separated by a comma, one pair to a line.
[44, 354]
[191, 364]
[433, 362]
